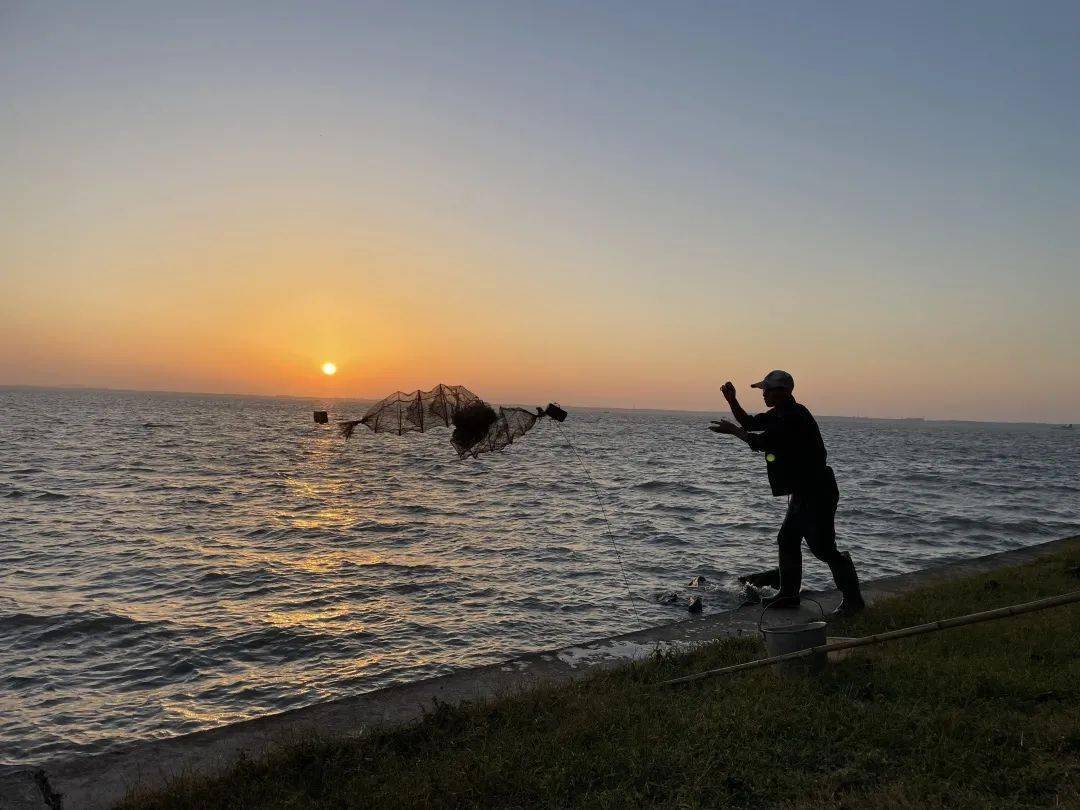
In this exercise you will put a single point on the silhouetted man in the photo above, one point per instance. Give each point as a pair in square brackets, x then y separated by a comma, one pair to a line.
[795, 459]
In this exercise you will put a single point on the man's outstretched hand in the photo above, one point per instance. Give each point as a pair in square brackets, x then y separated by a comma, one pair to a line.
[728, 390]
[724, 426]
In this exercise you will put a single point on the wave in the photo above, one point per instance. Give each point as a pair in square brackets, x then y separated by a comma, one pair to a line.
[73, 623]
[673, 487]
[678, 509]
[922, 478]
[379, 527]
[418, 509]
[407, 587]
[266, 532]
[250, 582]
[998, 528]
[277, 643]
[228, 576]
[411, 568]
[668, 539]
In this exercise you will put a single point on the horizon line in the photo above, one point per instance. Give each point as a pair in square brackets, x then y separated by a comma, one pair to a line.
[74, 387]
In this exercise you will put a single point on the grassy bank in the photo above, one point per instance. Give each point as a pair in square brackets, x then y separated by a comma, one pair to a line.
[982, 716]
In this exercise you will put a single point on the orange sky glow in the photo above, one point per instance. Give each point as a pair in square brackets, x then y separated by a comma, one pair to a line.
[419, 201]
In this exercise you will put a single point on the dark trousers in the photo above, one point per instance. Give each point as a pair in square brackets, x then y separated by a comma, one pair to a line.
[810, 517]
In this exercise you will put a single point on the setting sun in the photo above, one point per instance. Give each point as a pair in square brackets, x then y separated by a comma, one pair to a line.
[329, 369]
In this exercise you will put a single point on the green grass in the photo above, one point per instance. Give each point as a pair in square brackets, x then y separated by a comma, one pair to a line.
[981, 716]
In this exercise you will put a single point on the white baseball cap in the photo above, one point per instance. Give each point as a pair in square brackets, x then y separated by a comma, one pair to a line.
[776, 379]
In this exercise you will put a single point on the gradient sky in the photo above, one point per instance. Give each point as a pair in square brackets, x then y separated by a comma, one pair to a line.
[600, 203]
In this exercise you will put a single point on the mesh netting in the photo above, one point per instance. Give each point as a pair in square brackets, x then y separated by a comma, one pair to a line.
[478, 428]
[511, 423]
[420, 410]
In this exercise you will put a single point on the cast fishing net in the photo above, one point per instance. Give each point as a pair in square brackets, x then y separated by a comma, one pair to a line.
[478, 428]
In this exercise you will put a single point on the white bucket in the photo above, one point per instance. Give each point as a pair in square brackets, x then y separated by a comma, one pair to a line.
[792, 638]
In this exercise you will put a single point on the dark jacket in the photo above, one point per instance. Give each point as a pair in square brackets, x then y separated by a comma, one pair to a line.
[794, 451]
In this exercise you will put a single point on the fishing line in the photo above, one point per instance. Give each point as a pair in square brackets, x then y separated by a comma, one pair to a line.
[603, 511]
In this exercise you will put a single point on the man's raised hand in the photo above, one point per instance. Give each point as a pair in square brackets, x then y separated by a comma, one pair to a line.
[728, 390]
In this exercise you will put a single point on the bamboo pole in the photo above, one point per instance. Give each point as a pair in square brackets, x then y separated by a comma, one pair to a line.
[906, 632]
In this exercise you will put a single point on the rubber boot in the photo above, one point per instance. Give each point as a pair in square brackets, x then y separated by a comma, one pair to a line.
[790, 569]
[847, 581]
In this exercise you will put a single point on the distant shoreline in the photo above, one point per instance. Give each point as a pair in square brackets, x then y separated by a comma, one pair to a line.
[616, 408]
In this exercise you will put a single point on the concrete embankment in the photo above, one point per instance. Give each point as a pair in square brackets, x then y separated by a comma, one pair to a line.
[99, 781]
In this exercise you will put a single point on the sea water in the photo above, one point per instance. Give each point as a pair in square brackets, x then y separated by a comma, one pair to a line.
[170, 563]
